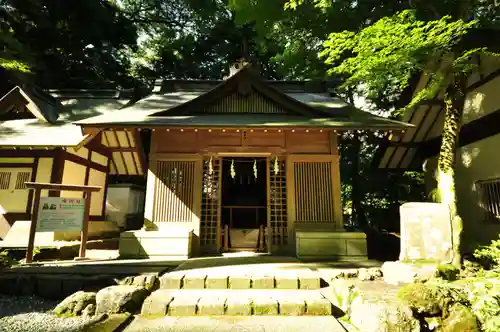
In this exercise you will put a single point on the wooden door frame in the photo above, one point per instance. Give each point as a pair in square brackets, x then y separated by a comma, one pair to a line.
[263, 154]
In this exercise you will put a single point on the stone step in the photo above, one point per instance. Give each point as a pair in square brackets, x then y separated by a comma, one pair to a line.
[229, 302]
[236, 324]
[207, 280]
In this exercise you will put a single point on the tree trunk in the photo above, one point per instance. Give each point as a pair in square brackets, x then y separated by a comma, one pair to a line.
[357, 189]
[454, 105]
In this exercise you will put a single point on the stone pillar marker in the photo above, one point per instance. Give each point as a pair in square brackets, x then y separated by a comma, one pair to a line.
[426, 240]
[425, 233]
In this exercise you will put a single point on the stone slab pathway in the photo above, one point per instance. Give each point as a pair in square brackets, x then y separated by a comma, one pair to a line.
[236, 324]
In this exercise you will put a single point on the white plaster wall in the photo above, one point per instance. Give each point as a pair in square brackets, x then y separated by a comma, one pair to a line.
[73, 173]
[44, 172]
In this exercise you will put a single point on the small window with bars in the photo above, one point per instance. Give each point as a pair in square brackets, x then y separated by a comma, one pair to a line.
[489, 198]
[22, 177]
[5, 180]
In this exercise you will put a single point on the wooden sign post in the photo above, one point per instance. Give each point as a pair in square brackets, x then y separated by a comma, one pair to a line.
[38, 187]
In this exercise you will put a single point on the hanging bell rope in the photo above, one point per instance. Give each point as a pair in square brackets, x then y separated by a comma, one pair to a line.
[255, 168]
[233, 172]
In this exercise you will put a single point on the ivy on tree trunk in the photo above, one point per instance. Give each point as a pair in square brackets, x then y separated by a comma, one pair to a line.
[454, 107]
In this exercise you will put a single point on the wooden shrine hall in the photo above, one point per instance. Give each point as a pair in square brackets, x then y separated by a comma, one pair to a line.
[239, 164]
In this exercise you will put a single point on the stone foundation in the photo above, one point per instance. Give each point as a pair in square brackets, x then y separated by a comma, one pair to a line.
[337, 245]
[171, 244]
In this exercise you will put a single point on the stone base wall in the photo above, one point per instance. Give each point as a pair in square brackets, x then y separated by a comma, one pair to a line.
[171, 244]
[337, 245]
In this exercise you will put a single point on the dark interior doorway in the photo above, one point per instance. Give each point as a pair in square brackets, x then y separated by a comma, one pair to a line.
[244, 199]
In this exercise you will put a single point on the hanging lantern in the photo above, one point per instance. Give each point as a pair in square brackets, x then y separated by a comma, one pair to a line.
[255, 168]
[233, 173]
[210, 167]
[276, 166]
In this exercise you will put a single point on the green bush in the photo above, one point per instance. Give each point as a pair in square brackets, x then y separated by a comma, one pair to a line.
[484, 296]
[490, 254]
[6, 261]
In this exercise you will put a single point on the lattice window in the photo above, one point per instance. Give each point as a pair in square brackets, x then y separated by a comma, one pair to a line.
[210, 204]
[277, 201]
[489, 198]
[174, 201]
[22, 177]
[313, 192]
[5, 180]
[236, 103]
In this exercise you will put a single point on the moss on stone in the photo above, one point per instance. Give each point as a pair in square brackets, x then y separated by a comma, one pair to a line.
[460, 319]
[422, 298]
[448, 272]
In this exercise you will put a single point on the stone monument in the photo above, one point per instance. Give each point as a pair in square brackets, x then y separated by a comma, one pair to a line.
[425, 232]
[426, 242]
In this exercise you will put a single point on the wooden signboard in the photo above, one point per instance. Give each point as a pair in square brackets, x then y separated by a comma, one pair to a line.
[59, 214]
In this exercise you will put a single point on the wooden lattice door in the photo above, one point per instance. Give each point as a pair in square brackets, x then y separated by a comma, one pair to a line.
[277, 205]
[175, 198]
[316, 190]
[210, 205]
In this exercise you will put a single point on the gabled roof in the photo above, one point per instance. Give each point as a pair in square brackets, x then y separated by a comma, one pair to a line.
[227, 103]
[37, 131]
[40, 105]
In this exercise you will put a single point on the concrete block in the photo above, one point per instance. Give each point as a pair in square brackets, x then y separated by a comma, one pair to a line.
[265, 306]
[216, 282]
[292, 306]
[287, 282]
[171, 281]
[156, 304]
[309, 282]
[212, 306]
[263, 282]
[194, 281]
[183, 306]
[318, 307]
[239, 282]
[356, 247]
[238, 306]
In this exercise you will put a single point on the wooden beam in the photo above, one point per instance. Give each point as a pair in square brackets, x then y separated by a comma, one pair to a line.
[82, 161]
[56, 174]
[140, 151]
[106, 182]
[58, 186]
[31, 193]
[26, 153]
[87, 139]
[18, 165]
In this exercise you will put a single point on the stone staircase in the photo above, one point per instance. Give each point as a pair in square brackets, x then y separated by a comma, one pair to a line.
[232, 293]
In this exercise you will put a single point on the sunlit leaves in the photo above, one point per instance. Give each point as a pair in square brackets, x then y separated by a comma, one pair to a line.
[388, 52]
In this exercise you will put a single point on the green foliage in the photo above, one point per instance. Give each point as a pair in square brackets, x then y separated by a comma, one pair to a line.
[489, 254]
[6, 261]
[390, 51]
[448, 272]
[484, 296]
[66, 43]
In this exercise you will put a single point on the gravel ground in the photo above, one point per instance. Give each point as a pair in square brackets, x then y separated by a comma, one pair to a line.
[33, 314]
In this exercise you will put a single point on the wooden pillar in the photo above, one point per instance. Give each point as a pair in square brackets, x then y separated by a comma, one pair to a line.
[85, 226]
[336, 185]
[34, 219]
